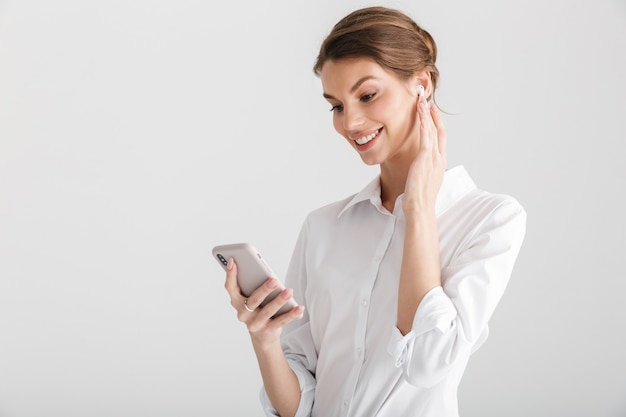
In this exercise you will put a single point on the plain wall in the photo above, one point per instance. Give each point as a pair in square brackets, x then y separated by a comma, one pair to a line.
[136, 134]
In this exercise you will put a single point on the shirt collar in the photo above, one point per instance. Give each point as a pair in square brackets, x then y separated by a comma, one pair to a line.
[456, 184]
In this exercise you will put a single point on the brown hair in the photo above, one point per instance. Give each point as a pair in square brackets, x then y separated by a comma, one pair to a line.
[388, 36]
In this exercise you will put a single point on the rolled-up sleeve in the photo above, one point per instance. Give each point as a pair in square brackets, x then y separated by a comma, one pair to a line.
[452, 320]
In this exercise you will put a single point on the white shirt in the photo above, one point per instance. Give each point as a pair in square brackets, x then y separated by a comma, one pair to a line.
[348, 354]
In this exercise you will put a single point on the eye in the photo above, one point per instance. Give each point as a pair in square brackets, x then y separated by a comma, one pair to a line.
[337, 108]
[368, 97]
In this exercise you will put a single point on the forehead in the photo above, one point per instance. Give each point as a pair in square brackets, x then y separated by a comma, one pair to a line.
[341, 75]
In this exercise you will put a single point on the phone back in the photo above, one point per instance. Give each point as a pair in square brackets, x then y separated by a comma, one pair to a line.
[252, 270]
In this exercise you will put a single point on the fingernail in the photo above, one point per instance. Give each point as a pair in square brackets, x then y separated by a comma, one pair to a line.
[286, 294]
[272, 283]
[230, 263]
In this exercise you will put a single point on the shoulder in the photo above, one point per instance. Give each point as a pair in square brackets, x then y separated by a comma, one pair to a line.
[487, 221]
[470, 213]
[482, 225]
[461, 201]
[479, 210]
[484, 203]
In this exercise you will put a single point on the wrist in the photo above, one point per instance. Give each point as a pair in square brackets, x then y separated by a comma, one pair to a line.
[418, 212]
[265, 345]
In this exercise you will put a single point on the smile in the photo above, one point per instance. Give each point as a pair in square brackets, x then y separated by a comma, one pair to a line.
[364, 139]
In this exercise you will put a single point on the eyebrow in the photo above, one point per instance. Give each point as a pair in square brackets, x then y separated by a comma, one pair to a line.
[354, 87]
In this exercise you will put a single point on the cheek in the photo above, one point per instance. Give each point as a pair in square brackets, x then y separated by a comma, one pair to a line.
[386, 109]
[404, 112]
[378, 108]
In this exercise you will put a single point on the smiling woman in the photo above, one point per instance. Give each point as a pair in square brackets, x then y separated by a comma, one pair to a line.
[135, 135]
[359, 89]
[398, 281]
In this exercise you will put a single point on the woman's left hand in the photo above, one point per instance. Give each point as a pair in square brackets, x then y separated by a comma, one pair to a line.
[426, 172]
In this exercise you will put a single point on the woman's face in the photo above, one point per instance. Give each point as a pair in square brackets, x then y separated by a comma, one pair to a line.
[372, 108]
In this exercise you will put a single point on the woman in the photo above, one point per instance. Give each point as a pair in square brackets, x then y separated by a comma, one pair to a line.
[399, 280]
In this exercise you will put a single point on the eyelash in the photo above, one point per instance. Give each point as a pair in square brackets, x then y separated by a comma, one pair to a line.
[368, 97]
[365, 99]
[338, 108]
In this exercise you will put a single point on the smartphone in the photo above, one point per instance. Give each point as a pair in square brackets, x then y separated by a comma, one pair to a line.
[252, 271]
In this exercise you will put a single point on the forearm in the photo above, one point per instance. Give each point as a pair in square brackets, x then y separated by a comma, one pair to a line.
[421, 270]
[279, 380]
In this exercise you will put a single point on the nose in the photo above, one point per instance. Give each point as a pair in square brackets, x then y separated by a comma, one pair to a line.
[352, 118]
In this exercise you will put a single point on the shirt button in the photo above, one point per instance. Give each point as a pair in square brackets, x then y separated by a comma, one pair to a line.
[378, 258]
[364, 302]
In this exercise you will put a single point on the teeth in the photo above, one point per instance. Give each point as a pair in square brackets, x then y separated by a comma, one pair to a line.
[365, 139]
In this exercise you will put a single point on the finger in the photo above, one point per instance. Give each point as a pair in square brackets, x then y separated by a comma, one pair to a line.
[426, 137]
[256, 298]
[441, 130]
[231, 284]
[270, 309]
[293, 314]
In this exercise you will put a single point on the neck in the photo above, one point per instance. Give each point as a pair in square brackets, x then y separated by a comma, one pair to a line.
[392, 183]
[394, 172]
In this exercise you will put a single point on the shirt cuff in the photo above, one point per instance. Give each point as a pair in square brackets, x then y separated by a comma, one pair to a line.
[435, 311]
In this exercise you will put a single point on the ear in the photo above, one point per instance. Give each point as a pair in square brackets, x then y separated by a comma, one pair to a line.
[423, 78]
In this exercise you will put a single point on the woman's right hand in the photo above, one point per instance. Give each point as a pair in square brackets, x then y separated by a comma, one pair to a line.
[262, 327]
[279, 380]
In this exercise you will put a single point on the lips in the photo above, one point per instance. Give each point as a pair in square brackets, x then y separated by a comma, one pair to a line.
[364, 139]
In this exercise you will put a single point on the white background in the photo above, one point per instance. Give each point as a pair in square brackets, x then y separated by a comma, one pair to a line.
[136, 134]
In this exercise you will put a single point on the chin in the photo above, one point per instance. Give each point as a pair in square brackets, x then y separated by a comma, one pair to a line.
[370, 160]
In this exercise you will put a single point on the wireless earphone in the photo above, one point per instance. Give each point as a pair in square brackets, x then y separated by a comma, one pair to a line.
[420, 93]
